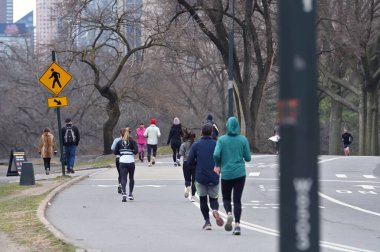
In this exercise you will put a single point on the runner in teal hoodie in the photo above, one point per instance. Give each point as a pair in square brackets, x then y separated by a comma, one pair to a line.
[230, 153]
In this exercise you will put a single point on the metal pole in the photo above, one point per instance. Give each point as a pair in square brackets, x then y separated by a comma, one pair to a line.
[231, 65]
[53, 57]
[299, 127]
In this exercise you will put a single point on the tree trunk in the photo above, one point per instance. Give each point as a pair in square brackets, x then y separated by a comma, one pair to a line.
[362, 122]
[372, 121]
[113, 112]
[335, 143]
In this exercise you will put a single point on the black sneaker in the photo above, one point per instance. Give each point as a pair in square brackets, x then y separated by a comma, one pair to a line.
[207, 226]
[119, 189]
[124, 198]
[236, 231]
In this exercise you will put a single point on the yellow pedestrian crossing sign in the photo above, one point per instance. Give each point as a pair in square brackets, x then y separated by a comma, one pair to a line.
[57, 102]
[55, 78]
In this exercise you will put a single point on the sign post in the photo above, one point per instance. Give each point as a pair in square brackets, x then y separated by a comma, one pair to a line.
[299, 127]
[55, 79]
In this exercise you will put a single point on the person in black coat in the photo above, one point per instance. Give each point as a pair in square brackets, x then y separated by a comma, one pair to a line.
[174, 139]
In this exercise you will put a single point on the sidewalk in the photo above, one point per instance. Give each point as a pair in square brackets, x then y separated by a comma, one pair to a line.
[83, 162]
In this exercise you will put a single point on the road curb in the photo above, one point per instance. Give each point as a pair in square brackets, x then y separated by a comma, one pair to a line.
[44, 205]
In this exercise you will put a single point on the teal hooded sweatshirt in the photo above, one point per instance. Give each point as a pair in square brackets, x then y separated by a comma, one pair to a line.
[231, 151]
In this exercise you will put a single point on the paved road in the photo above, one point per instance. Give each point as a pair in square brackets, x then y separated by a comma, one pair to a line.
[161, 219]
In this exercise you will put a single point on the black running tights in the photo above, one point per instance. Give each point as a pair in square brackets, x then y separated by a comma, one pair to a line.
[125, 170]
[236, 187]
[189, 175]
[204, 206]
[152, 147]
[175, 148]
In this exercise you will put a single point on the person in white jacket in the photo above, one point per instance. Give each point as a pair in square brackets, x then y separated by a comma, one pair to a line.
[152, 133]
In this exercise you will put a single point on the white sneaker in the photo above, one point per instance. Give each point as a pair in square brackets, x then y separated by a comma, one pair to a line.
[187, 191]
[149, 164]
[192, 199]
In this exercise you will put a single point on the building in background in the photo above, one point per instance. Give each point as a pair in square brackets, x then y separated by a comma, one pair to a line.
[6, 11]
[27, 20]
[46, 22]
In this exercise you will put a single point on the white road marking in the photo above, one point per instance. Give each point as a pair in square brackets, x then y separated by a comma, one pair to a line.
[254, 174]
[367, 187]
[369, 176]
[341, 175]
[273, 232]
[347, 205]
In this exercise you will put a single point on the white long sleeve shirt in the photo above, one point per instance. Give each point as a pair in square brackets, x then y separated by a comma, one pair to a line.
[152, 133]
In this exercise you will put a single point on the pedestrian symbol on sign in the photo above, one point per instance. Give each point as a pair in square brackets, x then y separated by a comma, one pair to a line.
[56, 77]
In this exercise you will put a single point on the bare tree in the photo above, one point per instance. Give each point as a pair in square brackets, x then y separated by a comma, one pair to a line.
[355, 37]
[252, 64]
[100, 38]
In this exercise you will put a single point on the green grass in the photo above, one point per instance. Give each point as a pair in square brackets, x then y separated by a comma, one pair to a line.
[8, 189]
[101, 161]
[164, 150]
[18, 218]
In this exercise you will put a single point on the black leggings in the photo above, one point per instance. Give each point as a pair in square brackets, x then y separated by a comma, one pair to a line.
[175, 149]
[236, 185]
[150, 148]
[125, 170]
[204, 206]
[118, 170]
[47, 163]
[189, 175]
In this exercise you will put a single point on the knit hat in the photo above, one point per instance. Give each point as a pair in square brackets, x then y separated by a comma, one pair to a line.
[176, 121]
[153, 121]
[209, 118]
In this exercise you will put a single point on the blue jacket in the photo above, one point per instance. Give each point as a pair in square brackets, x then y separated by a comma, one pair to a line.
[201, 155]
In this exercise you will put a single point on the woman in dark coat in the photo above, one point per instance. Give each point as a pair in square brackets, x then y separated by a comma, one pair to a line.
[174, 139]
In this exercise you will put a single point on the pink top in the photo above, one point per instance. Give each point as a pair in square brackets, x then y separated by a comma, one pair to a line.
[141, 139]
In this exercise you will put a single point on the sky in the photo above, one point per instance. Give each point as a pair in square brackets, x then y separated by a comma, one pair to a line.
[22, 7]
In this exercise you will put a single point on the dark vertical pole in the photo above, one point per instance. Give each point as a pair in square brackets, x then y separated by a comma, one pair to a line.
[299, 127]
[231, 65]
[53, 57]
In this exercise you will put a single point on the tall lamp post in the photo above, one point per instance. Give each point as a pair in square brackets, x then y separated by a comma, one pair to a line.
[231, 64]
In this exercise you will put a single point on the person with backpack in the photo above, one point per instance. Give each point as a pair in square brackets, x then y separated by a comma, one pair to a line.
[71, 138]
[215, 130]
[175, 140]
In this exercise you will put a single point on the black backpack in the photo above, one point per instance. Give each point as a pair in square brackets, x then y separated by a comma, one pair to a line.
[69, 137]
[215, 131]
